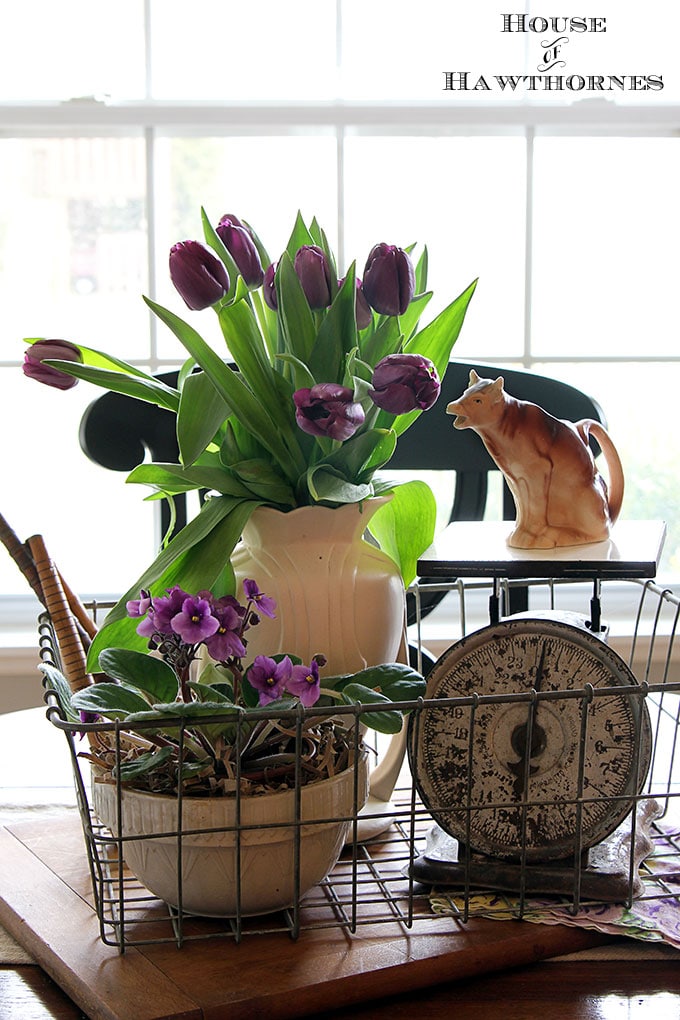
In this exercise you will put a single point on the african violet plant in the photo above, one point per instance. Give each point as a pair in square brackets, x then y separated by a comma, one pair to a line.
[227, 739]
[329, 372]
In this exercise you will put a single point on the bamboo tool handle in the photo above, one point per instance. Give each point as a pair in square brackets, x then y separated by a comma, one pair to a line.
[21, 557]
[55, 601]
[78, 609]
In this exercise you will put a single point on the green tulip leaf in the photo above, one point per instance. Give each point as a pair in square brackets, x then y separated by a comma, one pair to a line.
[299, 331]
[263, 480]
[173, 478]
[153, 391]
[404, 527]
[299, 237]
[326, 485]
[202, 411]
[198, 559]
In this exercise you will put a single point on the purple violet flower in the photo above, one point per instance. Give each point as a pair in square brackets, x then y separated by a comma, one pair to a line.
[265, 604]
[269, 677]
[161, 612]
[199, 277]
[226, 642]
[304, 682]
[328, 409]
[140, 606]
[195, 622]
[51, 350]
[404, 382]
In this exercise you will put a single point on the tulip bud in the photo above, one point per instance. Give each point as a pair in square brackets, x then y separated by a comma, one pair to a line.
[404, 382]
[240, 245]
[51, 350]
[364, 315]
[389, 279]
[268, 287]
[311, 266]
[328, 409]
[199, 277]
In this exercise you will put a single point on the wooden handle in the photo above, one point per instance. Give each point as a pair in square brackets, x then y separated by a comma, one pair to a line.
[21, 557]
[54, 599]
[78, 609]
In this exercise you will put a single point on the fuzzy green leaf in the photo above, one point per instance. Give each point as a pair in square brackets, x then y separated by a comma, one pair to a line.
[60, 685]
[140, 670]
[382, 720]
[114, 701]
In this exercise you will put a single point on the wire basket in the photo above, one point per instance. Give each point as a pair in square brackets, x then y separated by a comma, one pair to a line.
[380, 880]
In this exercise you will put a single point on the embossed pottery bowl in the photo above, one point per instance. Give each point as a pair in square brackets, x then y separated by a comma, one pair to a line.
[228, 865]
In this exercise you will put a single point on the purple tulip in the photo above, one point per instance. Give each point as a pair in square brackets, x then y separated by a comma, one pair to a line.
[364, 315]
[404, 382]
[389, 279]
[239, 243]
[51, 350]
[199, 277]
[328, 409]
[311, 266]
[268, 287]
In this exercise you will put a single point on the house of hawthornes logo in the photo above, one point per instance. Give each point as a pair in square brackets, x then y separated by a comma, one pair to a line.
[557, 38]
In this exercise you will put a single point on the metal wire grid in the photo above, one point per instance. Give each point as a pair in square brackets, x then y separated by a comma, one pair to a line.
[373, 882]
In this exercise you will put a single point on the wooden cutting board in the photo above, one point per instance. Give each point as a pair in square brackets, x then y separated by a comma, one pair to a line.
[46, 905]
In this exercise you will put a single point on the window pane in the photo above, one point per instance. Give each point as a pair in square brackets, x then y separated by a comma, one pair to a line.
[639, 403]
[263, 180]
[98, 530]
[398, 50]
[266, 50]
[639, 42]
[72, 48]
[606, 259]
[464, 199]
[73, 242]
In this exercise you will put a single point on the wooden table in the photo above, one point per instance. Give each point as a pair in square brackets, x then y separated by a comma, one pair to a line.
[585, 989]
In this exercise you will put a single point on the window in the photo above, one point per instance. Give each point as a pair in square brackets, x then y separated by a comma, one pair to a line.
[567, 208]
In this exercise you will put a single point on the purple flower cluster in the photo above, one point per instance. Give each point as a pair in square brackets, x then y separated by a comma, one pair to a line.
[178, 623]
[273, 678]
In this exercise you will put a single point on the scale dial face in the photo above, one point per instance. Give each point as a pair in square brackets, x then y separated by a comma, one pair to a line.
[503, 776]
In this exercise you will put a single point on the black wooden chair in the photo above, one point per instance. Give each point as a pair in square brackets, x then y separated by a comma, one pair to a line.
[117, 431]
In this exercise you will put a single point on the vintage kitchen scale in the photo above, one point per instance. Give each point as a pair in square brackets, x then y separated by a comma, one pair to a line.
[535, 740]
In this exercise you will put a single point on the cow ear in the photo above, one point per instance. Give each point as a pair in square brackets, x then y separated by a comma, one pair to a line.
[474, 378]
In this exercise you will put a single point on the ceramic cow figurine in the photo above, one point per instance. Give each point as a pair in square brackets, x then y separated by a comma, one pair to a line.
[560, 497]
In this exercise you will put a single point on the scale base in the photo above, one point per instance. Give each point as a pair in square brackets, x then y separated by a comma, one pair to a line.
[605, 872]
